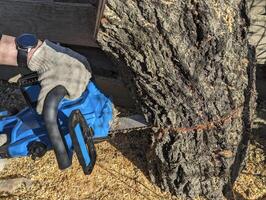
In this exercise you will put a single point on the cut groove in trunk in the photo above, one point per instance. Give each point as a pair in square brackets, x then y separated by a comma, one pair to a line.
[188, 63]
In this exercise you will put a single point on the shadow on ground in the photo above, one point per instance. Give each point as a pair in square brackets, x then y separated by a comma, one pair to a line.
[259, 131]
[134, 146]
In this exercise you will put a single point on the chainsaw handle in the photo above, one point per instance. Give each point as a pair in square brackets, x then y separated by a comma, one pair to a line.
[50, 112]
[82, 138]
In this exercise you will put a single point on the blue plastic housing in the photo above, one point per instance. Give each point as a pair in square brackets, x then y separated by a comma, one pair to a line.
[27, 126]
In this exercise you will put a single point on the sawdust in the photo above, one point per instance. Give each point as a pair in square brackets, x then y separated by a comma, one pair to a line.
[252, 182]
[114, 177]
[119, 174]
[114, 122]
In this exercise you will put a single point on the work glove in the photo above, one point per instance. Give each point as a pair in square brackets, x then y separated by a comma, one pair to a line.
[57, 65]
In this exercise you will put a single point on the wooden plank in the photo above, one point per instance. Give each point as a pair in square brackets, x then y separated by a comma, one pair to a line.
[70, 23]
[116, 90]
[93, 2]
[101, 64]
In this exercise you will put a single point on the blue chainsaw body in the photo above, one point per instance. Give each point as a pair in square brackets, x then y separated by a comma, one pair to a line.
[27, 130]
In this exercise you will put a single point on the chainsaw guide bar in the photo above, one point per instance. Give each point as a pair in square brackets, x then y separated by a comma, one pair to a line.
[129, 124]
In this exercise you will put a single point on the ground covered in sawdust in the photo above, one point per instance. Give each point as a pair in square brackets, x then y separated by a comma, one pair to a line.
[115, 176]
[251, 184]
[121, 172]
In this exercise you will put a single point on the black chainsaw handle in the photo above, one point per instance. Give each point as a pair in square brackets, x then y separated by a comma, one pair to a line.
[50, 111]
[86, 149]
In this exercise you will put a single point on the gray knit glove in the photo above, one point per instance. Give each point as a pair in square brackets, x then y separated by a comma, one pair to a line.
[57, 65]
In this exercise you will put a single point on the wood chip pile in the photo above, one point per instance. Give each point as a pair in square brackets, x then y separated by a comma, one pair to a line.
[119, 174]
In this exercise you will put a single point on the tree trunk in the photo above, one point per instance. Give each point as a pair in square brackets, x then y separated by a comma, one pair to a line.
[191, 70]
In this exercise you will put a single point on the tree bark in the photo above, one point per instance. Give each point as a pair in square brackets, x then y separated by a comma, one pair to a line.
[190, 67]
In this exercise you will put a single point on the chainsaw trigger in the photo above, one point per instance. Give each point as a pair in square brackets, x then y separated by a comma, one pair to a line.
[82, 141]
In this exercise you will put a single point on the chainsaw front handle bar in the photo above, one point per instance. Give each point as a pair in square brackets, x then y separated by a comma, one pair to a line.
[50, 112]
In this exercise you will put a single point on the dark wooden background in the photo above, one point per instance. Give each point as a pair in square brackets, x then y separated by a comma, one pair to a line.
[64, 21]
[73, 23]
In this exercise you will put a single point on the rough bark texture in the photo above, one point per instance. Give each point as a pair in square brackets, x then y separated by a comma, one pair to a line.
[190, 67]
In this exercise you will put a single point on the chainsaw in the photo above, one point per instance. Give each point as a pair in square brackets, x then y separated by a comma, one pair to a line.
[66, 126]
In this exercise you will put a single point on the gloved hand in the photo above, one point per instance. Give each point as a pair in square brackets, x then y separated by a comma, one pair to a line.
[57, 65]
